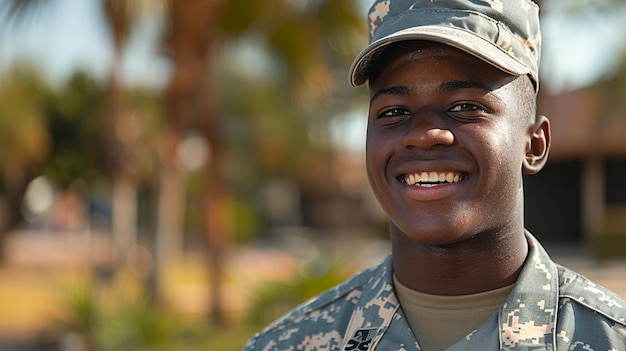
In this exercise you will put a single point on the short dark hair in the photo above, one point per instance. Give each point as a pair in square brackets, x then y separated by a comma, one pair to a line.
[528, 95]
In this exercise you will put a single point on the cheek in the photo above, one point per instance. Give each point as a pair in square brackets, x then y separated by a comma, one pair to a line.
[499, 156]
[376, 158]
[373, 159]
[507, 143]
[506, 162]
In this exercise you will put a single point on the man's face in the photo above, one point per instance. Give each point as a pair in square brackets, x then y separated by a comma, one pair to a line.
[446, 138]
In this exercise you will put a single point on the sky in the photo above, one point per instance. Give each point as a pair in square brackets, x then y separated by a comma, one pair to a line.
[70, 34]
[579, 49]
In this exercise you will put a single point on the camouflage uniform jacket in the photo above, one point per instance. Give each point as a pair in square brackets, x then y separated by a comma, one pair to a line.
[550, 308]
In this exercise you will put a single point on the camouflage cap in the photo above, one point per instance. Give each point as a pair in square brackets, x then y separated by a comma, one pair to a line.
[504, 33]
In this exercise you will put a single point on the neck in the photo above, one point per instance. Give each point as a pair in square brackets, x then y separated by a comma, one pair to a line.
[481, 263]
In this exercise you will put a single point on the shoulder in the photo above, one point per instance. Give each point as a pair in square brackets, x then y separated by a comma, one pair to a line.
[323, 317]
[588, 308]
[583, 291]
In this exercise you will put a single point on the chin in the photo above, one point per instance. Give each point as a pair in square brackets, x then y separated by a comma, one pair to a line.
[435, 236]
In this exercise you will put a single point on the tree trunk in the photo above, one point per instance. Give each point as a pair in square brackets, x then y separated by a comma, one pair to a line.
[170, 210]
[124, 219]
[191, 106]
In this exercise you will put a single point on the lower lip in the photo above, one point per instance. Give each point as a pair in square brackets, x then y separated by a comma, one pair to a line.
[431, 193]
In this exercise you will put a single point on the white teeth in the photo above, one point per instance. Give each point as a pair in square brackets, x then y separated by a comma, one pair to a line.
[430, 179]
[410, 179]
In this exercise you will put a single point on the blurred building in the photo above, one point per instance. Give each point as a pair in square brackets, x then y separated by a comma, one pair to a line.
[581, 194]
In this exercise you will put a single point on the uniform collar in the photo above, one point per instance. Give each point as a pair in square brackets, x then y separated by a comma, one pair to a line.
[526, 320]
[528, 317]
[377, 307]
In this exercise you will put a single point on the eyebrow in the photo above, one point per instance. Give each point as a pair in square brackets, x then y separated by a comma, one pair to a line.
[444, 88]
[456, 85]
[398, 90]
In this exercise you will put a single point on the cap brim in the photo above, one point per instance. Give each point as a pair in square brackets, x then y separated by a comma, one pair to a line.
[461, 39]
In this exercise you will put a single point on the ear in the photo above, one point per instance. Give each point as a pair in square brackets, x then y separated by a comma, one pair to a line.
[537, 146]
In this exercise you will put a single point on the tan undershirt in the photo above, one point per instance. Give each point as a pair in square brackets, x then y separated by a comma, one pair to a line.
[438, 322]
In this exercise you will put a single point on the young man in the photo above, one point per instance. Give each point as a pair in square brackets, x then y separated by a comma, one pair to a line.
[451, 130]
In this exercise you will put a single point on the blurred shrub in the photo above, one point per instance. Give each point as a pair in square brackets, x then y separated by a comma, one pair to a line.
[275, 298]
[125, 320]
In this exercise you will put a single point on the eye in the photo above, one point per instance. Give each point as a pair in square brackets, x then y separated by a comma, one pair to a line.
[467, 107]
[469, 111]
[393, 112]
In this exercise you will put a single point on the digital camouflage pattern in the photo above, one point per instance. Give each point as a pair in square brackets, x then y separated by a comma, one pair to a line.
[550, 308]
[506, 34]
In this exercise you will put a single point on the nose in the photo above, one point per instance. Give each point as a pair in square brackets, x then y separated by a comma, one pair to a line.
[427, 131]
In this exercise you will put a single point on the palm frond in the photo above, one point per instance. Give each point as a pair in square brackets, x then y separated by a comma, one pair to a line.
[14, 12]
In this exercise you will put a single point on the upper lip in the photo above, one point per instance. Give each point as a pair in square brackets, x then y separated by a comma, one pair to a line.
[419, 167]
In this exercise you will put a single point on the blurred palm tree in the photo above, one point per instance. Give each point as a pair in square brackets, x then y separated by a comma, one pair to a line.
[308, 38]
[121, 130]
[119, 138]
[294, 32]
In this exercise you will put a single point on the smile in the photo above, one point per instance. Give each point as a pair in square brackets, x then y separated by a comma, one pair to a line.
[431, 179]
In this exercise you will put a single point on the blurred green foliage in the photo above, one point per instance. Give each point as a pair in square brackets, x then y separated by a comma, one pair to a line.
[275, 298]
[74, 123]
[121, 317]
[24, 140]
